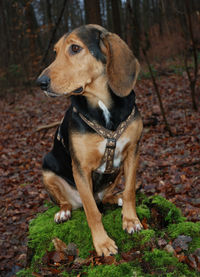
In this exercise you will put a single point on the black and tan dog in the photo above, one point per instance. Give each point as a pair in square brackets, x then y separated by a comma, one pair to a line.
[98, 139]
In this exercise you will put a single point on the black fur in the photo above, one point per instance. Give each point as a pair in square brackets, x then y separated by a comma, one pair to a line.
[91, 38]
[59, 159]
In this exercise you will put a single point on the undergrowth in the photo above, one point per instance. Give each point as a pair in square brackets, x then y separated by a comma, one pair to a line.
[152, 260]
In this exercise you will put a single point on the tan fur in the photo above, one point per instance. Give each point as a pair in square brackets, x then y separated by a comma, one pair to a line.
[70, 72]
[102, 243]
[67, 73]
[56, 187]
[122, 67]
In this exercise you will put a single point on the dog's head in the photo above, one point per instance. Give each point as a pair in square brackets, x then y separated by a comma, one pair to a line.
[83, 56]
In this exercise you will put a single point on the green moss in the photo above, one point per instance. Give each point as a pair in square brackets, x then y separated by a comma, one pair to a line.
[188, 229]
[194, 244]
[141, 198]
[25, 273]
[125, 270]
[146, 236]
[184, 228]
[43, 229]
[65, 274]
[167, 210]
[164, 264]
[112, 222]
[143, 212]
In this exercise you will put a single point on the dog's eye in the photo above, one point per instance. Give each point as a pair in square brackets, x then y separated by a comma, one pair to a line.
[75, 49]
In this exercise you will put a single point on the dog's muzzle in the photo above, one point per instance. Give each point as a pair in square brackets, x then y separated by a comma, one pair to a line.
[44, 83]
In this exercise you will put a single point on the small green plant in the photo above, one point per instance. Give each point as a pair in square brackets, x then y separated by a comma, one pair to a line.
[147, 75]
[15, 71]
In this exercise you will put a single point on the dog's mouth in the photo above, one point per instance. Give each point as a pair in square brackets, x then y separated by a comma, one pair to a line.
[51, 94]
[77, 91]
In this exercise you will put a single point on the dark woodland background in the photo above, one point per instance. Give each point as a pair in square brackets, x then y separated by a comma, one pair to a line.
[167, 29]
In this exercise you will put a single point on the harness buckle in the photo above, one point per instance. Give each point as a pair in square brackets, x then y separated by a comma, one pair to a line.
[111, 143]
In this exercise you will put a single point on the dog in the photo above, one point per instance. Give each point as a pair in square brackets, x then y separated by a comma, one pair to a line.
[98, 139]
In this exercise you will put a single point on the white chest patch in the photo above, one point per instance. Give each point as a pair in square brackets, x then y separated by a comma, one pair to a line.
[121, 143]
[106, 112]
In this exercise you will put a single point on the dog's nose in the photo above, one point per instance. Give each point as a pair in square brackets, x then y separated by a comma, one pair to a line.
[43, 82]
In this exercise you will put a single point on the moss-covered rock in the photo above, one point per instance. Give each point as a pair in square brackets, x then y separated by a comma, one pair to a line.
[164, 220]
[168, 212]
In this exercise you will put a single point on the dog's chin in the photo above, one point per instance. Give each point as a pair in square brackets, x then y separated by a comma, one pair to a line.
[77, 91]
[51, 94]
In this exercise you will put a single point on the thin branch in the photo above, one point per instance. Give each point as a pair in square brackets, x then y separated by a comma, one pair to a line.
[48, 126]
[54, 33]
[192, 79]
[184, 164]
[157, 93]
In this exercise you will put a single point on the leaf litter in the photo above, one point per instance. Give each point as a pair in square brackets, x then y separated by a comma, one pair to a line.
[169, 166]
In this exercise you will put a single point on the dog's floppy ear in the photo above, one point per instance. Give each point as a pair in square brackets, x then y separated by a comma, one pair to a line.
[121, 66]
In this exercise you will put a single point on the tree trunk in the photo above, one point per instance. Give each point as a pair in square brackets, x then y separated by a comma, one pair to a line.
[92, 12]
[116, 17]
[133, 26]
[192, 79]
[4, 33]
[54, 32]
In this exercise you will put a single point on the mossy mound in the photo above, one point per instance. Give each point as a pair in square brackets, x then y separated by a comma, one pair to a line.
[139, 254]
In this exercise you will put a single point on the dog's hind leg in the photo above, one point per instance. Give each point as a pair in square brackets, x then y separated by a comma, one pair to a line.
[63, 194]
[111, 196]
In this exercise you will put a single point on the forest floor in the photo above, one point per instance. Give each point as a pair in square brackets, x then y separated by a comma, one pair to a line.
[169, 166]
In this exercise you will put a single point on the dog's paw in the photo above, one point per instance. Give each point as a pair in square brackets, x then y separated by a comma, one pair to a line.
[132, 225]
[120, 202]
[106, 247]
[62, 215]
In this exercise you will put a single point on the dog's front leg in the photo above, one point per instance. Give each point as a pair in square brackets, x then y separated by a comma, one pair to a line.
[102, 243]
[131, 222]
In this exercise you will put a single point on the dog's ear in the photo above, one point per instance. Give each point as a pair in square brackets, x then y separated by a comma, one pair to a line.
[121, 66]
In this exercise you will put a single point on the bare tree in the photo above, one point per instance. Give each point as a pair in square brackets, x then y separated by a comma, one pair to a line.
[192, 77]
[92, 12]
[144, 50]
[116, 17]
[52, 38]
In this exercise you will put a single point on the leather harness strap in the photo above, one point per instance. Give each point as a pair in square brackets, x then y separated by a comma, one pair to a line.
[111, 136]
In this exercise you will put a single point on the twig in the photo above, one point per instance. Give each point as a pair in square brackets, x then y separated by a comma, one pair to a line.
[48, 126]
[184, 164]
[157, 93]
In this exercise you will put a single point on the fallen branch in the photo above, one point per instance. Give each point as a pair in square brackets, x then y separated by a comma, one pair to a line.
[48, 126]
[184, 164]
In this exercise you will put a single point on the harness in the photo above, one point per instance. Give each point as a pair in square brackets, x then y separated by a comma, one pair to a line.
[111, 136]
[103, 180]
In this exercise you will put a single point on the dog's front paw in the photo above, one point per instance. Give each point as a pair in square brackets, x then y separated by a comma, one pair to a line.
[132, 225]
[105, 247]
[62, 215]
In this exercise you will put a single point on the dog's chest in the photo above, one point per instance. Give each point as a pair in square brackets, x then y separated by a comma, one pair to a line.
[118, 155]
